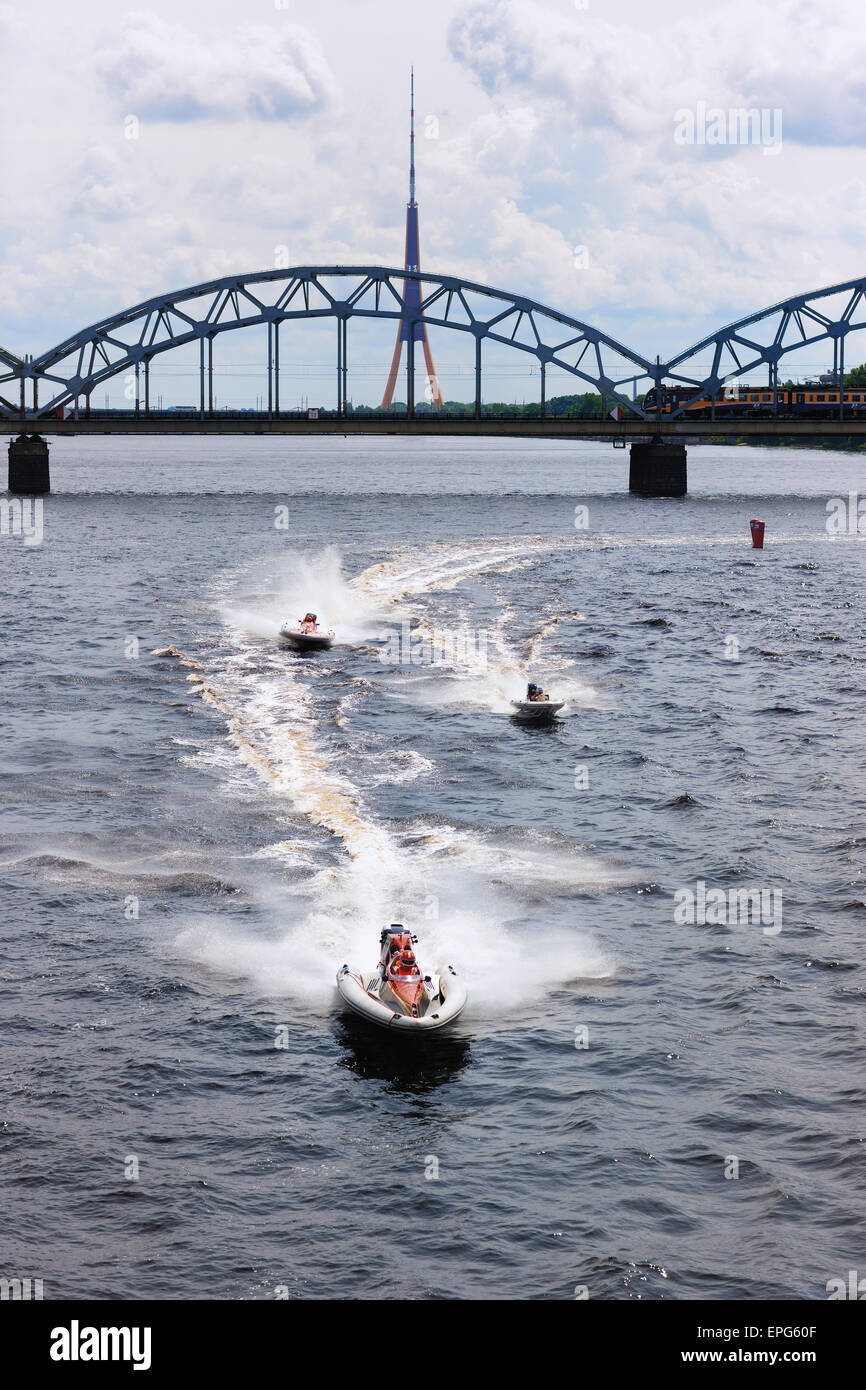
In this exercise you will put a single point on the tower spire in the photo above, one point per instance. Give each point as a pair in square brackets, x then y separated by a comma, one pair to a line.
[412, 136]
[412, 291]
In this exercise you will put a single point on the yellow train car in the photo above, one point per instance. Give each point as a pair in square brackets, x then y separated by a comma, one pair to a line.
[810, 398]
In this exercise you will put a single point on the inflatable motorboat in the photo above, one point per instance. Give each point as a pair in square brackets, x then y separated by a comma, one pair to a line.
[537, 708]
[308, 636]
[398, 996]
[536, 711]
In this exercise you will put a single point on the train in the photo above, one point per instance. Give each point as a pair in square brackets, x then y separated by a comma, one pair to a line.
[809, 398]
[171, 412]
[814, 399]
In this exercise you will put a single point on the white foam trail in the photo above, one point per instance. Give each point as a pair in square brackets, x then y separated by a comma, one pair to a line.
[455, 680]
[446, 565]
[444, 886]
[366, 608]
[505, 967]
[443, 883]
[533, 652]
[313, 583]
[273, 734]
[173, 651]
[528, 867]
[253, 622]
[492, 683]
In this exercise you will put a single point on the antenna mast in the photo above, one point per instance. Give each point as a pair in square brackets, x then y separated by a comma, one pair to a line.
[415, 332]
[412, 137]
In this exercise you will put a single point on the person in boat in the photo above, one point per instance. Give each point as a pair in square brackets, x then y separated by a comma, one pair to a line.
[308, 623]
[535, 692]
[404, 963]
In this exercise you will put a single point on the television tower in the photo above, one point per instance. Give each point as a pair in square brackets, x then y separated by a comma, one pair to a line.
[412, 288]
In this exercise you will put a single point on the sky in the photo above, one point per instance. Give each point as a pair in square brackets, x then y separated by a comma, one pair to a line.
[144, 149]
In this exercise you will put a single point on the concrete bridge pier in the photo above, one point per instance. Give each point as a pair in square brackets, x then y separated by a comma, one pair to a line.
[657, 468]
[28, 465]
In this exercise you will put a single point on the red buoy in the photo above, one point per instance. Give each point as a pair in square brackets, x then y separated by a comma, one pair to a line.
[757, 529]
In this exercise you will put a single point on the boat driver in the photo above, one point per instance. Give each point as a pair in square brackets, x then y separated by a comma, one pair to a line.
[404, 963]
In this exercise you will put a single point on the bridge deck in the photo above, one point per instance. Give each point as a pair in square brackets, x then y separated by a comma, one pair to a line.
[494, 426]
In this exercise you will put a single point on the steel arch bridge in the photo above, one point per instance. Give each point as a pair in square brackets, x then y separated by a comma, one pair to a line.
[35, 388]
[765, 337]
[128, 342]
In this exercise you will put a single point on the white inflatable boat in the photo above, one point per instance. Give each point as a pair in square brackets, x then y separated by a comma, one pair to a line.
[398, 995]
[536, 711]
[308, 636]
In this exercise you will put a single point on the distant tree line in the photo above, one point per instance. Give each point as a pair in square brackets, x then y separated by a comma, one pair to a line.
[588, 405]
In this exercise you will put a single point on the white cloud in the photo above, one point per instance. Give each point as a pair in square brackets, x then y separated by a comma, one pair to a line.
[105, 187]
[576, 59]
[688, 232]
[802, 56]
[10, 21]
[164, 72]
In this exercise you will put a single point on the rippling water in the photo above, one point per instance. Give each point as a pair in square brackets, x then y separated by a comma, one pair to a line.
[195, 837]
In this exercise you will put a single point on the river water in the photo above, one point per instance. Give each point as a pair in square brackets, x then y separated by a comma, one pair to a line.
[199, 828]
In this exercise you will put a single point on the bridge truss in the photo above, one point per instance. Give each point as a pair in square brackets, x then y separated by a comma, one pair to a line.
[128, 342]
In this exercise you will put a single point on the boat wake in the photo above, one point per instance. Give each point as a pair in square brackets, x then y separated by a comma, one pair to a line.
[341, 605]
[456, 889]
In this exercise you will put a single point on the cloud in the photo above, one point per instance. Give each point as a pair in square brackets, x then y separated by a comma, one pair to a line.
[105, 187]
[10, 21]
[616, 81]
[166, 73]
[579, 60]
[674, 233]
[95, 276]
[488, 39]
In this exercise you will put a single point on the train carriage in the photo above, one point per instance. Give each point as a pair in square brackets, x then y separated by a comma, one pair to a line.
[811, 398]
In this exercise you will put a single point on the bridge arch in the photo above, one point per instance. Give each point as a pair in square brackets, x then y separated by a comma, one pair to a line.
[75, 367]
[766, 337]
[128, 341]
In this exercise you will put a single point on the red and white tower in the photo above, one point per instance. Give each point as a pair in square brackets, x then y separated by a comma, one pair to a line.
[412, 288]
